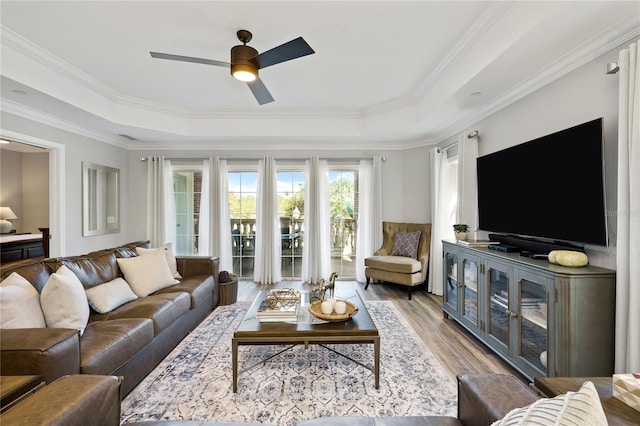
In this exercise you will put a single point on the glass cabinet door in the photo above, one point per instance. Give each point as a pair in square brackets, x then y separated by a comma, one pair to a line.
[470, 277]
[452, 284]
[533, 303]
[498, 325]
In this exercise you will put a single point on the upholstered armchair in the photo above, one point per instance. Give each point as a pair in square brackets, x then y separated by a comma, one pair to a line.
[404, 256]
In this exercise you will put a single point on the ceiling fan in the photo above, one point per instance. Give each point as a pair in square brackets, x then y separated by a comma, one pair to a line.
[245, 61]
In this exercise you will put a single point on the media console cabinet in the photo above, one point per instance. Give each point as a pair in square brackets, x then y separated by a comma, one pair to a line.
[543, 319]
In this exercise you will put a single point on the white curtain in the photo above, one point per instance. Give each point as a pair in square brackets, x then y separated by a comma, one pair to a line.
[215, 226]
[369, 238]
[267, 267]
[316, 254]
[443, 211]
[161, 208]
[467, 181]
[627, 347]
[205, 239]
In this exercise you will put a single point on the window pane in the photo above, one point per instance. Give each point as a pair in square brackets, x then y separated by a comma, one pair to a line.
[242, 212]
[187, 185]
[291, 212]
[343, 194]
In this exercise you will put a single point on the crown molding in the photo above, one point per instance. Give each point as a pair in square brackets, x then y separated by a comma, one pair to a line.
[11, 107]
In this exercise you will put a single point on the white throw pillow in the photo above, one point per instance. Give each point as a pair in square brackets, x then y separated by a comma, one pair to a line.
[19, 304]
[168, 252]
[573, 408]
[64, 303]
[148, 273]
[106, 297]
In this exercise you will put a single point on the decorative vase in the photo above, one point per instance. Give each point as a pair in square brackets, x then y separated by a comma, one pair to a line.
[461, 236]
[543, 359]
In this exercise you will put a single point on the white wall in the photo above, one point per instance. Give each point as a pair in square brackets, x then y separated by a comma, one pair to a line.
[11, 185]
[582, 95]
[35, 191]
[78, 149]
[24, 187]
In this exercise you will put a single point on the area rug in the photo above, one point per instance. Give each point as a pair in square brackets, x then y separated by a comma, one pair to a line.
[194, 381]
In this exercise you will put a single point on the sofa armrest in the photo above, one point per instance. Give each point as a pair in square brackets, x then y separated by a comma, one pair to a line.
[80, 400]
[198, 265]
[48, 352]
[485, 398]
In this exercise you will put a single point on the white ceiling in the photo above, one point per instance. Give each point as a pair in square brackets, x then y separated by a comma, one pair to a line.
[386, 74]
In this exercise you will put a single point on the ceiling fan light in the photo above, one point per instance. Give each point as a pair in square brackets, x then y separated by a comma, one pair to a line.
[245, 73]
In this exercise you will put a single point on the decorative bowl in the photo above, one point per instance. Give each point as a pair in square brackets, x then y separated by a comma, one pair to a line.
[316, 311]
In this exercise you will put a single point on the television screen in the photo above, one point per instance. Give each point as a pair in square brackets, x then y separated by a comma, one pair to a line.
[551, 187]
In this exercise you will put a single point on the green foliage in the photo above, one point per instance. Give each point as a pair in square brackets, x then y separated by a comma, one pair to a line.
[341, 198]
[242, 208]
[461, 227]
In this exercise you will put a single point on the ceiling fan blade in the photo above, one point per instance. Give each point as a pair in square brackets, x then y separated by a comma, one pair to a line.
[189, 59]
[260, 91]
[285, 52]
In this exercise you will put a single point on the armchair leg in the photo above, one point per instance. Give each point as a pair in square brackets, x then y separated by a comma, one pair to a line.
[410, 289]
[367, 285]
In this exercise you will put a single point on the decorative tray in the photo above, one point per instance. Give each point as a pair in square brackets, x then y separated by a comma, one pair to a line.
[315, 310]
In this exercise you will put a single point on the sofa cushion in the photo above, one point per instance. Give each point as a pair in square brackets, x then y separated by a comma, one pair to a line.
[19, 304]
[406, 244]
[199, 288]
[147, 274]
[64, 302]
[576, 408]
[106, 297]
[167, 249]
[93, 271]
[107, 345]
[163, 309]
[404, 265]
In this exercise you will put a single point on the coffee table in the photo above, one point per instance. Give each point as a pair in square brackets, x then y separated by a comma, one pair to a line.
[307, 330]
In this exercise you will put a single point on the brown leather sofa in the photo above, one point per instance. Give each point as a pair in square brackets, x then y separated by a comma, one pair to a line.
[77, 400]
[128, 341]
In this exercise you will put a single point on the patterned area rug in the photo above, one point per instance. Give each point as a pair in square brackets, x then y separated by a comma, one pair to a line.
[194, 381]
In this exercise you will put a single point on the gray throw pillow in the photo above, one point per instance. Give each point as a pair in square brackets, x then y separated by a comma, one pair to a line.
[406, 244]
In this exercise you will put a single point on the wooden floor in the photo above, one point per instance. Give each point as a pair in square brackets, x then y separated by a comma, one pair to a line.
[456, 349]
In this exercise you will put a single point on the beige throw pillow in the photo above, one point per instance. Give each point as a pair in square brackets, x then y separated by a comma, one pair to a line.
[147, 273]
[19, 304]
[168, 252]
[573, 408]
[64, 302]
[106, 297]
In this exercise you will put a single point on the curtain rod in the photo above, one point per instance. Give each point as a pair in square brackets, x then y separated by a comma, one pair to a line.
[451, 145]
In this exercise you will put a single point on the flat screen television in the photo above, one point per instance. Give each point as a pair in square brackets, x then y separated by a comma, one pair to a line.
[550, 188]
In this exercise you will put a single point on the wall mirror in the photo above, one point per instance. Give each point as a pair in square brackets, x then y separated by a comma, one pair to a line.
[100, 199]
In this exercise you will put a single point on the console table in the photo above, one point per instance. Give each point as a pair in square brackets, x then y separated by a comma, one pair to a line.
[617, 412]
[20, 246]
[543, 319]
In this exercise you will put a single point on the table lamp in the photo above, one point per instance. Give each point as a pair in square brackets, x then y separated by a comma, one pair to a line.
[5, 214]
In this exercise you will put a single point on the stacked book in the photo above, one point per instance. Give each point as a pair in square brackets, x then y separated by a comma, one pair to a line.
[476, 243]
[278, 306]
